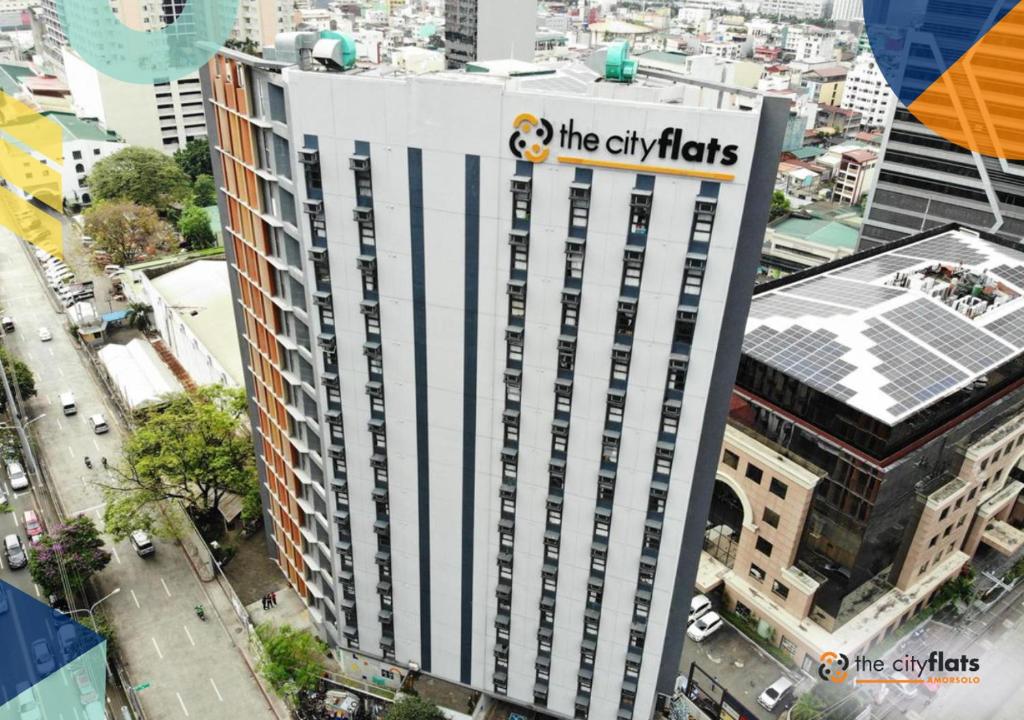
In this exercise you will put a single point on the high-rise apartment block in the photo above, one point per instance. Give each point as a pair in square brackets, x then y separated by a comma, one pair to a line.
[482, 30]
[874, 441]
[801, 9]
[488, 326]
[867, 92]
[925, 181]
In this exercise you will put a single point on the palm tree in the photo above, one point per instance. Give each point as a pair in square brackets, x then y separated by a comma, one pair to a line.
[138, 316]
[808, 707]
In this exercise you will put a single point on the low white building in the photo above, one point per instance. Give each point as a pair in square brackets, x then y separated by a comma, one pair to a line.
[85, 144]
[192, 312]
[137, 373]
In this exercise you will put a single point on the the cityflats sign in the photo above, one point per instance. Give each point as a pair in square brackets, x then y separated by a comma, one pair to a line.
[533, 137]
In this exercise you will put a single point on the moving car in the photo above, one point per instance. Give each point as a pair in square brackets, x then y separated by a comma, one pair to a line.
[778, 695]
[67, 403]
[699, 605]
[14, 551]
[99, 424]
[8, 322]
[142, 543]
[45, 335]
[33, 527]
[704, 626]
[42, 657]
[28, 706]
[16, 473]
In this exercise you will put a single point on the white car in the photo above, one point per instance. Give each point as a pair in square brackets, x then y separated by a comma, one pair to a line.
[699, 606]
[45, 335]
[28, 706]
[43, 657]
[704, 626]
[16, 473]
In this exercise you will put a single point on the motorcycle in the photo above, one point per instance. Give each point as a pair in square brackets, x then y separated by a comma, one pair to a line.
[201, 613]
[88, 462]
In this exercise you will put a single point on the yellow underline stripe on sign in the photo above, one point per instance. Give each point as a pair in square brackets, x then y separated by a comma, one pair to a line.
[707, 175]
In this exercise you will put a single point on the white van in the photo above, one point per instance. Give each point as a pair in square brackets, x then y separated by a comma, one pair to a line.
[777, 696]
[67, 403]
[16, 474]
[99, 424]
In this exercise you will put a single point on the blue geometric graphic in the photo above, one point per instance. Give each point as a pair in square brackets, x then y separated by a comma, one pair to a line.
[50, 665]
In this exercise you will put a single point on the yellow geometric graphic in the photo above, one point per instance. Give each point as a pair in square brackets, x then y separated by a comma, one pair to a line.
[540, 132]
[40, 182]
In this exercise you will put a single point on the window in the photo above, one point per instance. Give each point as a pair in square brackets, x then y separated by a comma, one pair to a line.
[686, 323]
[779, 589]
[944, 514]
[77, 154]
[519, 255]
[931, 543]
[778, 488]
[731, 459]
[771, 517]
[754, 473]
[756, 573]
[632, 270]
[579, 212]
[626, 317]
[764, 547]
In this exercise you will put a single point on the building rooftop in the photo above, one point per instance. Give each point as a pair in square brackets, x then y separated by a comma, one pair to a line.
[201, 293]
[819, 230]
[75, 128]
[620, 27]
[896, 332]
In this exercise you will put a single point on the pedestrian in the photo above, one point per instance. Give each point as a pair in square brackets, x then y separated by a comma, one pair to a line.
[273, 599]
[265, 603]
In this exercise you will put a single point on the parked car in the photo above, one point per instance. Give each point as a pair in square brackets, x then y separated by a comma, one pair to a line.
[142, 543]
[67, 636]
[8, 323]
[42, 657]
[45, 335]
[86, 692]
[33, 526]
[17, 476]
[112, 270]
[3, 600]
[704, 626]
[777, 696]
[699, 605]
[28, 705]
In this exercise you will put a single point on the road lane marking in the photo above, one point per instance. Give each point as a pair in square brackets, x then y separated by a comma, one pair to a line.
[51, 352]
[135, 599]
[189, 636]
[83, 511]
[15, 516]
[183, 708]
[116, 556]
[165, 587]
[219, 696]
[96, 444]
[48, 400]
[60, 426]
[38, 594]
[157, 648]
[60, 370]
[71, 451]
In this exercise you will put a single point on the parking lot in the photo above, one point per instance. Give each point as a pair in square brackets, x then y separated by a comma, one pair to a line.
[738, 664]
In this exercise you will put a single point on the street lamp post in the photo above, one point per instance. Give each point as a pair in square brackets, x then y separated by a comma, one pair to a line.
[5, 426]
[92, 608]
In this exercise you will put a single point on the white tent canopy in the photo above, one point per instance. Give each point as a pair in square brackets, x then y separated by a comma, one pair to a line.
[138, 373]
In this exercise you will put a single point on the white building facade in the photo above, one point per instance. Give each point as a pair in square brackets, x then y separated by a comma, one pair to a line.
[867, 92]
[803, 9]
[505, 333]
[487, 30]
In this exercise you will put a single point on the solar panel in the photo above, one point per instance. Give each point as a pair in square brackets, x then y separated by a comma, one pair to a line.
[856, 295]
[813, 357]
[945, 248]
[877, 267]
[779, 304]
[949, 334]
[914, 374]
[1014, 275]
[1010, 328]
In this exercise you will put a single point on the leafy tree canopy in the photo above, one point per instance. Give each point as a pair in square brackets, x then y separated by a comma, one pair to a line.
[127, 231]
[293, 660]
[20, 375]
[413, 708]
[77, 546]
[140, 175]
[780, 205]
[204, 191]
[194, 226]
[194, 159]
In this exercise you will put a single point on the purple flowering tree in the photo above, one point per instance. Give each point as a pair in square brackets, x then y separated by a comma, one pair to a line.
[74, 547]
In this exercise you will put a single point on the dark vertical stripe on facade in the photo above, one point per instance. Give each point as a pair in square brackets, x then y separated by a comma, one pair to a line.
[419, 324]
[723, 376]
[469, 332]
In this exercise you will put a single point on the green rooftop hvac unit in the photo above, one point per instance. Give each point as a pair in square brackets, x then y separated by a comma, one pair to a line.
[335, 50]
[617, 65]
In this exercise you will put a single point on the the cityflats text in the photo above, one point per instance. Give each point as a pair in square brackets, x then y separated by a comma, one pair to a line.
[669, 145]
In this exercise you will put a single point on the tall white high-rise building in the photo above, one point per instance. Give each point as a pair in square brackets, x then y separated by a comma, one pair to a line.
[803, 9]
[488, 30]
[490, 326]
[848, 10]
[867, 91]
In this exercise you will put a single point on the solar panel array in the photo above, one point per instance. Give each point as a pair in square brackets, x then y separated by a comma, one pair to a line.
[782, 304]
[813, 357]
[914, 374]
[877, 267]
[853, 294]
[950, 334]
[947, 248]
[1009, 327]
[1013, 274]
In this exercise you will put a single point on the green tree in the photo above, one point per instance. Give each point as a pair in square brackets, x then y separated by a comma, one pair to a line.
[248, 46]
[193, 450]
[21, 377]
[780, 205]
[126, 231]
[138, 316]
[194, 159]
[292, 659]
[194, 226]
[204, 191]
[808, 707]
[142, 176]
[413, 708]
[74, 547]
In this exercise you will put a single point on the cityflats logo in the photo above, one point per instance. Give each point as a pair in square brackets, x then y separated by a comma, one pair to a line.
[533, 135]
[833, 667]
[531, 138]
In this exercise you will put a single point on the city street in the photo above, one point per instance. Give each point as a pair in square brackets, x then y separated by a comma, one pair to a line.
[192, 668]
